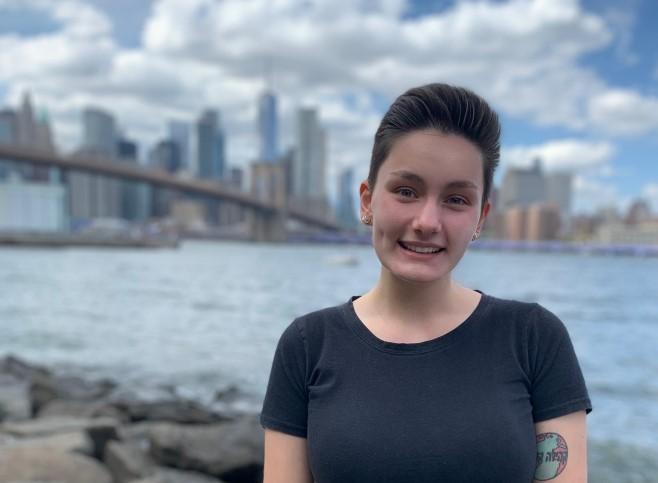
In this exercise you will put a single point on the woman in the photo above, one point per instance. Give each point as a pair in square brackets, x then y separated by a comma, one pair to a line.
[421, 379]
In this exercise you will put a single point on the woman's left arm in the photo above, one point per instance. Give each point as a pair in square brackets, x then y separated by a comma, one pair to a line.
[562, 449]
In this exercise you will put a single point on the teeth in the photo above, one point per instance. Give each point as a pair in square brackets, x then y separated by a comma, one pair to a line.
[421, 250]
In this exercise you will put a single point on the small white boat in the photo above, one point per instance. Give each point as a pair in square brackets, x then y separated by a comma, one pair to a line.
[346, 260]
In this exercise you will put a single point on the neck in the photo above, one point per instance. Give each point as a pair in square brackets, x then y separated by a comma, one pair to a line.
[415, 302]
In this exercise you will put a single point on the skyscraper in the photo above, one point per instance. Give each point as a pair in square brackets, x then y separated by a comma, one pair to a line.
[523, 186]
[8, 135]
[99, 133]
[210, 145]
[346, 190]
[94, 196]
[558, 192]
[268, 127]
[179, 133]
[310, 163]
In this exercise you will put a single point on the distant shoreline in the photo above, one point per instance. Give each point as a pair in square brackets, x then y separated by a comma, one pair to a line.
[65, 240]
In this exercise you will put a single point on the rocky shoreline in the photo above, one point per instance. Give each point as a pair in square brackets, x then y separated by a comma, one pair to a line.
[65, 429]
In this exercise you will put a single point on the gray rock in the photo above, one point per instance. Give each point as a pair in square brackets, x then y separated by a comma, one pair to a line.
[165, 475]
[44, 389]
[14, 398]
[41, 465]
[74, 441]
[127, 462]
[21, 369]
[80, 409]
[177, 411]
[46, 426]
[232, 451]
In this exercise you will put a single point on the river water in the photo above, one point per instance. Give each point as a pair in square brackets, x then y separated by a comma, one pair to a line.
[207, 317]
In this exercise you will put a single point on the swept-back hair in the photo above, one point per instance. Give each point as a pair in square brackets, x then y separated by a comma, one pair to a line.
[448, 109]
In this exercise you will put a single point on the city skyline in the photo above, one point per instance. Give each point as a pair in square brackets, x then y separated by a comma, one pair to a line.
[577, 86]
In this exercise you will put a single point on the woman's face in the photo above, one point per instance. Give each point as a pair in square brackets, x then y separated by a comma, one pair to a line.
[426, 204]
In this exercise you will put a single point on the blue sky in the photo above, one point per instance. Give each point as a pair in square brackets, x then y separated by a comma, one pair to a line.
[576, 83]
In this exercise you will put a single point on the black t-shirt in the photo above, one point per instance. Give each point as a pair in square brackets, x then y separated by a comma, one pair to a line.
[457, 408]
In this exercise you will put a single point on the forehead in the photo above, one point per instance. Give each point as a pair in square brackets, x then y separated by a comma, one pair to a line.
[435, 156]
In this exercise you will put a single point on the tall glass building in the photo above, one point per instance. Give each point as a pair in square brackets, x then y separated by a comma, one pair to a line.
[268, 127]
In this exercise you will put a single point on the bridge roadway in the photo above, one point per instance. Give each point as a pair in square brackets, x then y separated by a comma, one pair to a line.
[156, 177]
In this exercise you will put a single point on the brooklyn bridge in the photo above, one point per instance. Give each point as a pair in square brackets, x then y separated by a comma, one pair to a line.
[267, 217]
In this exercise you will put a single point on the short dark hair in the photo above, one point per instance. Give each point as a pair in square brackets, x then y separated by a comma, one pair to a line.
[448, 109]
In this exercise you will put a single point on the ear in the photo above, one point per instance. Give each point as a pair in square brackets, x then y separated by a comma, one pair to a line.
[483, 215]
[365, 196]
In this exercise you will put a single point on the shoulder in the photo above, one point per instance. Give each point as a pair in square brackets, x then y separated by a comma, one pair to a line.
[527, 316]
[320, 321]
[314, 326]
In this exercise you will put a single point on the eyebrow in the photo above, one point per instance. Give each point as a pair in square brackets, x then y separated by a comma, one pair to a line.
[408, 175]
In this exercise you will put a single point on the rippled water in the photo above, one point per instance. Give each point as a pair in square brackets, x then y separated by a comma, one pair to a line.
[208, 316]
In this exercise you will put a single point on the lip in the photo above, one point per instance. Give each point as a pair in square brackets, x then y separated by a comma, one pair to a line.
[420, 245]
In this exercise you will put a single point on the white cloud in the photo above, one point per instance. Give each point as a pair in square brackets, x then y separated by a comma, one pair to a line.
[523, 55]
[591, 195]
[624, 112]
[561, 155]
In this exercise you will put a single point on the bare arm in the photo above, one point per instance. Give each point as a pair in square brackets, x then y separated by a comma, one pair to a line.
[562, 449]
[286, 459]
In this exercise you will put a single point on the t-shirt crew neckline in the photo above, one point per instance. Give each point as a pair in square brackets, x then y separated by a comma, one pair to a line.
[440, 342]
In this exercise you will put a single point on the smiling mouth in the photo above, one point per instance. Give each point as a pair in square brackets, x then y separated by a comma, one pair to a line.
[423, 250]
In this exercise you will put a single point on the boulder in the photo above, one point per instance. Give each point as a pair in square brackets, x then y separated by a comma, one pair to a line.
[127, 462]
[25, 465]
[46, 426]
[21, 369]
[80, 409]
[167, 475]
[74, 441]
[176, 411]
[232, 451]
[14, 398]
[44, 389]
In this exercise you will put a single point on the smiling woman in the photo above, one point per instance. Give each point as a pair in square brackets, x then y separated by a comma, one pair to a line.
[421, 379]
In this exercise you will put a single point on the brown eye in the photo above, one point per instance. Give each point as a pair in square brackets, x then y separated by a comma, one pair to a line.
[457, 200]
[406, 192]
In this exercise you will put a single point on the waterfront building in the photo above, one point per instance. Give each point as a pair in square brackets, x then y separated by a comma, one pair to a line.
[268, 184]
[164, 155]
[35, 134]
[542, 222]
[135, 196]
[638, 212]
[8, 126]
[523, 186]
[310, 164]
[210, 145]
[619, 233]
[28, 206]
[179, 133]
[559, 192]
[346, 191]
[515, 223]
[189, 215]
[268, 127]
[94, 196]
[8, 135]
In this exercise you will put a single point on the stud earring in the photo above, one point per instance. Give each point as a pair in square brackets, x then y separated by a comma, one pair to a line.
[366, 219]
[475, 236]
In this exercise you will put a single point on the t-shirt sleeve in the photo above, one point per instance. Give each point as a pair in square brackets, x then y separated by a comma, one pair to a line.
[557, 383]
[285, 406]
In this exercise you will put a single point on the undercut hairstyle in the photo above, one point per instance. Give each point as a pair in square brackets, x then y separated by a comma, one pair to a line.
[448, 109]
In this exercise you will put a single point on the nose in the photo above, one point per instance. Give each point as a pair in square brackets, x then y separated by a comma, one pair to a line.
[428, 219]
